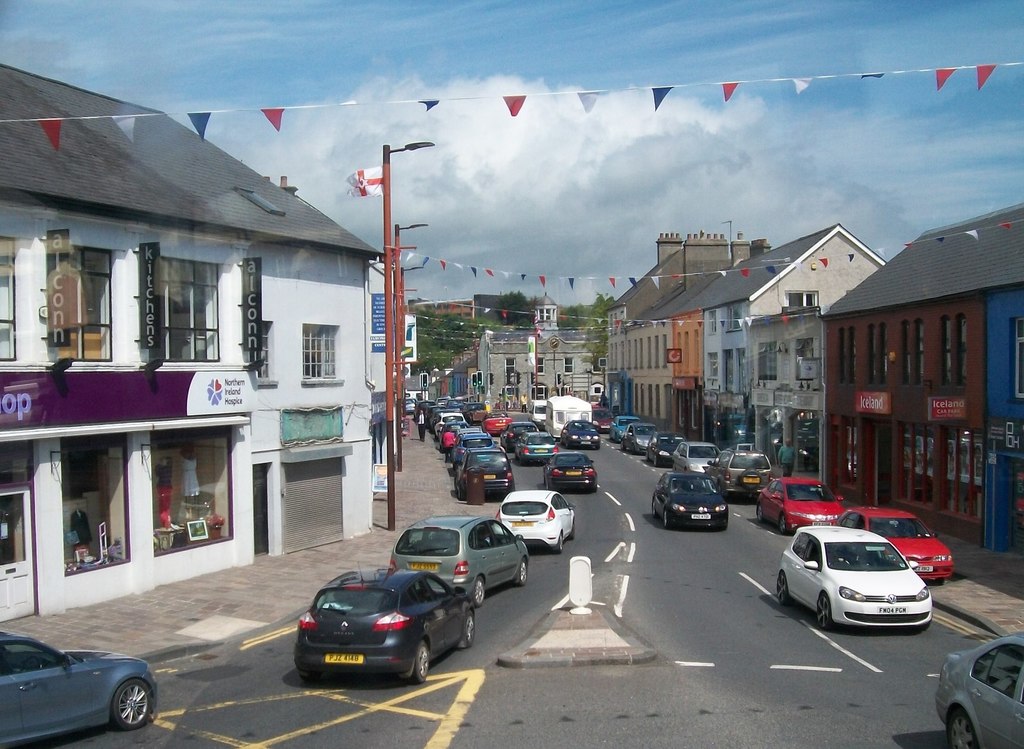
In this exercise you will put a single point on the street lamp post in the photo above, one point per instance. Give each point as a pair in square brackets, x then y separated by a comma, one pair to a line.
[400, 312]
[389, 320]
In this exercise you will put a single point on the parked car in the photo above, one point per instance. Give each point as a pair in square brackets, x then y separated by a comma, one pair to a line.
[580, 433]
[693, 456]
[570, 470]
[476, 552]
[440, 418]
[512, 432]
[979, 698]
[495, 467]
[661, 447]
[602, 419]
[539, 516]
[908, 533]
[535, 447]
[469, 440]
[618, 426]
[854, 577]
[474, 412]
[496, 423]
[390, 622]
[47, 692]
[793, 502]
[740, 474]
[636, 436]
[689, 499]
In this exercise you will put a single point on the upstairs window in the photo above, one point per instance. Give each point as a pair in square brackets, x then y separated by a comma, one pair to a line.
[318, 352]
[905, 348]
[946, 331]
[1018, 365]
[961, 350]
[6, 298]
[802, 299]
[78, 294]
[189, 291]
[883, 354]
[918, 351]
[768, 361]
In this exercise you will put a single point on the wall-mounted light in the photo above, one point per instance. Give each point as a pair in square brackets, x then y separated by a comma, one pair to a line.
[256, 365]
[152, 366]
[892, 357]
[62, 365]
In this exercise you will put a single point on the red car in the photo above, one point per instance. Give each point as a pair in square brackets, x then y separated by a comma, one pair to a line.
[602, 418]
[496, 423]
[794, 502]
[915, 540]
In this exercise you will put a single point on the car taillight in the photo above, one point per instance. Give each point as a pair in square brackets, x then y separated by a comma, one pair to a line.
[551, 513]
[556, 449]
[391, 622]
[392, 566]
[461, 568]
[497, 515]
[556, 471]
[307, 623]
[508, 475]
[588, 471]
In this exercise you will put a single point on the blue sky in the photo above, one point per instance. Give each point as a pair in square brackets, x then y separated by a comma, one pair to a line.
[557, 191]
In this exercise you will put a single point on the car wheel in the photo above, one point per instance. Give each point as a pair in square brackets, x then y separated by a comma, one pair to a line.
[654, 509]
[557, 548]
[758, 512]
[468, 629]
[783, 528]
[960, 733]
[477, 592]
[309, 676]
[420, 664]
[665, 522]
[131, 706]
[597, 446]
[572, 531]
[782, 590]
[823, 612]
[521, 573]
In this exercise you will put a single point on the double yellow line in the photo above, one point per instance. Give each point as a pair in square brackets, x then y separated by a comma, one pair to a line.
[267, 637]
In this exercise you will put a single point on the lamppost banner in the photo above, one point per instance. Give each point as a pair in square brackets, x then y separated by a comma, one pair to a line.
[409, 347]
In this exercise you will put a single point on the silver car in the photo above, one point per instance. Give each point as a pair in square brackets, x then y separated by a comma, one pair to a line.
[979, 694]
[693, 456]
[637, 436]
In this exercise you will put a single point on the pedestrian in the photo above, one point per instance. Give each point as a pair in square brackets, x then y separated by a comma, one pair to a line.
[787, 457]
[421, 424]
[447, 443]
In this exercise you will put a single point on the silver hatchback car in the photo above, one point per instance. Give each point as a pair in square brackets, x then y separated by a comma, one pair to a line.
[693, 456]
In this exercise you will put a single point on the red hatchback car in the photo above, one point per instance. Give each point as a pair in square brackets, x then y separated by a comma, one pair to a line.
[794, 502]
[908, 533]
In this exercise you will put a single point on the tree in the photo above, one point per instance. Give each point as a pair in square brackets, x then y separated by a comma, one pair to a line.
[515, 309]
[442, 337]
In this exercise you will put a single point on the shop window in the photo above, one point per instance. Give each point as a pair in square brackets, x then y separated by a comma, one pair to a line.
[93, 505]
[189, 291]
[318, 352]
[191, 502]
[81, 327]
[1018, 365]
[964, 471]
[918, 463]
[6, 298]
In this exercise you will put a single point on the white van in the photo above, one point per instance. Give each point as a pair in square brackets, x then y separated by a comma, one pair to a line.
[538, 412]
[565, 408]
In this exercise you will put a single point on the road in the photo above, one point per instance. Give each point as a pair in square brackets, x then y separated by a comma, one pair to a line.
[734, 668]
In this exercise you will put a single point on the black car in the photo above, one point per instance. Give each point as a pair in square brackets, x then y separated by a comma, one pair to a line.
[387, 622]
[496, 469]
[689, 499]
[570, 471]
[579, 433]
[661, 447]
[512, 432]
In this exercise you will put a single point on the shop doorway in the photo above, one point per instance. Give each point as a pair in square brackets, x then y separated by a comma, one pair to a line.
[16, 584]
[260, 519]
[1017, 506]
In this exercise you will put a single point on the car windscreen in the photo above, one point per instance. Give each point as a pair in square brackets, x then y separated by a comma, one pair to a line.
[702, 451]
[811, 493]
[644, 429]
[431, 542]
[356, 600]
[745, 462]
[477, 442]
[540, 438]
[524, 508]
[571, 459]
[863, 556]
[600, 413]
[692, 485]
[899, 527]
[669, 442]
[488, 460]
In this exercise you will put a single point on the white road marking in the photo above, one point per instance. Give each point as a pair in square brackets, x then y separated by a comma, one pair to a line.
[695, 664]
[561, 603]
[827, 669]
[630, 521]
[622, 596]
[737, 515]
[615, 551]
[843, 650]
[755, 583]
[632, 551]
[613, 499]
[932, 676]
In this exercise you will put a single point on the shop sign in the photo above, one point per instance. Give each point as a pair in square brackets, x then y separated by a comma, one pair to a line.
[377, 323]
[673, 356]
[150, 323]
[784, 398]
[252, 308]
[872, 402]
[762, 397]
[684, 383]
[1006, 434]
[65, 295]
[220, 392]
[941, 408]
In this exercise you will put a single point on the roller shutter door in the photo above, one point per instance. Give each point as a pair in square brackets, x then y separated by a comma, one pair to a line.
[312, 504]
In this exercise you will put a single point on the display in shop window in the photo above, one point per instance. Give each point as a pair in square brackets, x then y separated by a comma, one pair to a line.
[190, 478]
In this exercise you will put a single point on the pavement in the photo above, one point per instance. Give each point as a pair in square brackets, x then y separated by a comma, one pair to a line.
[194, 615]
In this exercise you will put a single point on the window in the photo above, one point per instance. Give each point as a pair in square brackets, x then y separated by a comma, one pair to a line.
[905, 348]
[728, 369]
[961, 350]
[964, 469]
[713, 364]
[1019, 364]
[946, 331]
[189, 290]
[602, 363]
[6, 298]
[663, 356]
[802, 299]
[318, 352]
[81, 327]
[711, 321]
[540, 365]
[872, 354]
[510, 367]
[918, 464]
[851, 355]
[190, 490]
[545, 314]
[918, 351]
[735, 314]
[842, 354]
[741, 367]
[883, 354]
[767, 361]
[264, 370]
[568, 365]
[93, 503]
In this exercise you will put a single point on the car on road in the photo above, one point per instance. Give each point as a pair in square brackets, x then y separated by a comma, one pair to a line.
[661, 447]
[441, 418]
[570, 470]
[539, 516]
[511, 434]
[479, 553]
[689, 499]
[46, 691]
[535, 447]
[602, 418]
[387, 622]
[794, 502]
[741, 473]
[495, 469]
[908, 533]
[979, 698]
[636, 437]
[468, 440]
[693, 456]
[618, 426]
[474, 412]
[580, 433]
[852, 577]
[496, 423]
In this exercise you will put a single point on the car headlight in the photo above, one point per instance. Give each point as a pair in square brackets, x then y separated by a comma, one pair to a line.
[721, 508]
[923, 594]
[850, 594]
[944, 558]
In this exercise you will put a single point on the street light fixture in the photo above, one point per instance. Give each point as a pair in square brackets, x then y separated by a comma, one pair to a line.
[400, 313]
[389, 319]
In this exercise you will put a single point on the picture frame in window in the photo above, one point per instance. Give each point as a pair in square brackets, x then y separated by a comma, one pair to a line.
[197, 530]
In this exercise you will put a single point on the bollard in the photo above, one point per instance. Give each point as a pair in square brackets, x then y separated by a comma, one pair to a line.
[475, 494]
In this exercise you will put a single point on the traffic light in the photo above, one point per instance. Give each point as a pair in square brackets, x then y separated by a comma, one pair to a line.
[558, 379]
[424, 380]
[490, 378]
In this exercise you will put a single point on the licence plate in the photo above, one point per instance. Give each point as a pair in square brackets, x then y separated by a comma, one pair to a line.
[925, 568]
[751, 480]
[354, 659]
[701, 516]
[542, 450]
[490, 476]
[426, 566]
[574, 473]
[821, 522]
[892, 609]
[522, 523]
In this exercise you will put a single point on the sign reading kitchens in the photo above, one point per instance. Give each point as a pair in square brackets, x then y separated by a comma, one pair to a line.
[941, 408]
[873, 402]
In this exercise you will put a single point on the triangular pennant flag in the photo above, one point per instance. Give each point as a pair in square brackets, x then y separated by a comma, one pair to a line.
[972, 232]
[52, 130]
[728, 89]
[984, 71]
[274, 114]
[1006, 225]
[444, 264]
[588, 99]
[770, 269]
[632, 281]
[850, 256]
[199, 121]
[473, 268]
[659, 95]
[611, 280]
[941, 76]
[871, 75]
[801, 84]
[514, 104]
[940, 239]
[824, 262]
[785, 318]
[722, 272]
[460, 266]
[506, 274]
[425, 261]
[747, 320]
[429, 103]
[127, 125]
[572, 282]
[543, 280]
[522, 276]
[486, 310]
[657, 281]
[489, 272]
[745, 272]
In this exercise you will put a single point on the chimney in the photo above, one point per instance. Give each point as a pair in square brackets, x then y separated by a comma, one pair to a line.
[759, 247]
[286, 186]
[740, 249]
[667, 244]
[705, 253]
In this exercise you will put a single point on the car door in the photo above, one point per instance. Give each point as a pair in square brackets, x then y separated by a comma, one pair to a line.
[53, 695]
[449, 607]
[807, 582]
[995, 689]
[426, 603]
[661, 493]
[771, 500]
[720, 470]
[486, 554]
[506, 543]
[564, 513]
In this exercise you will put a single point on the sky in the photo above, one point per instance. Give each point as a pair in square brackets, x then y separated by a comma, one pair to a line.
[575, 196]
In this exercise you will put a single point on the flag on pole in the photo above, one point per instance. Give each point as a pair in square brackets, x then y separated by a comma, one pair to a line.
[531, 351]
[367, 182]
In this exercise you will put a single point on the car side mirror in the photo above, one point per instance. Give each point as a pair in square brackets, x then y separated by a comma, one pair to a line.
[839, 498]
[913, 565]
[810, 564]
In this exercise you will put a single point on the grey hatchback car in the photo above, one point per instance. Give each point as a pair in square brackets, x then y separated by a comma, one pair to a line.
[636, 437]
[477, 553]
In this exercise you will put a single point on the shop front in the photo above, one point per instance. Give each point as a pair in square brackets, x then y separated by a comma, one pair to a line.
[688, 406]
[1004, 501]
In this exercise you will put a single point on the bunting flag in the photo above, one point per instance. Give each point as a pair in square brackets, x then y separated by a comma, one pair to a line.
[659, 95]
[657, 281]
[429, 103]
[522, 276]
[52, 130]
[745, 272]
[444, 264]
[588, 99]
[274, 114]
[473, 268]
[801, 84]
[747, 320]
[367, 182]
[824, 262]
[871, 75]
[632, 281]
[984, 71]
[972, 232]
[611, 280]
[722, 272]
[851, 257]
[489, 272]
[785, 318]
[543, 281]
[514, 104]
[1006, 225]
[199, 121]
[770, 269]
[728, 89]
[127, 125]
[940, 240]
[941, 76]
[572, 282]
[425, 261]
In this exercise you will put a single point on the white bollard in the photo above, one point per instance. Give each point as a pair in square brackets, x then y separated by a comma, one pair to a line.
[581, 586]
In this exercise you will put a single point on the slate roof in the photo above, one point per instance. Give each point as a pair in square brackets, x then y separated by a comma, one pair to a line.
[958, 264]
[166, 175]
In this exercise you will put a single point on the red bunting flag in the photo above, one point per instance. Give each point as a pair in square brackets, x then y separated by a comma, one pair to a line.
[745, 272]
[1006, 225]
[489, 272]
[728, 89]
[824, 262]
[444, 264]
[274, 115]
[611, 280]
[514, 104]
[543, 281]
[52, 130]
[984, 71]
[941, 76]
[785, 318]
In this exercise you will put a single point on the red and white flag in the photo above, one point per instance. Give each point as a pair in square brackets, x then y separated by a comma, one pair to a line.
[367, 182]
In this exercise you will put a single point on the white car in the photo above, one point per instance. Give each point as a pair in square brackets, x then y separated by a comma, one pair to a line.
[693, 456]
[854, 577]
[539, 515]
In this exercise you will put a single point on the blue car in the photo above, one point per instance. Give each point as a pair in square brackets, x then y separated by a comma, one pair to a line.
[619, 424]
[470, 441]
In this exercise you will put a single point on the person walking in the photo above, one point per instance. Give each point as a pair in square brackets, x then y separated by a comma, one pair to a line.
[421, 424]
[787, 457]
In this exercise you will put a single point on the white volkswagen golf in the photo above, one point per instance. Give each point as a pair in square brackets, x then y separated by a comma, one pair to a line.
[539, 515]
[854, 577]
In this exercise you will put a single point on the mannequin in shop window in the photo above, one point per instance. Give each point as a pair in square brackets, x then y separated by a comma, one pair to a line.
[80, 526]
[190, 483]
[164, 490]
